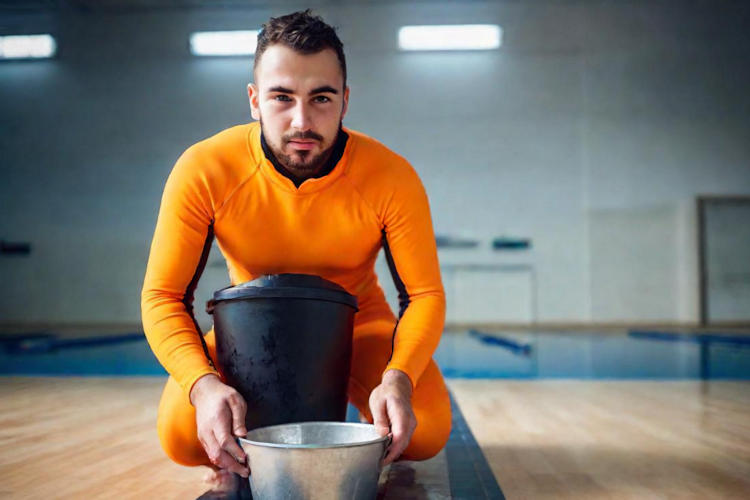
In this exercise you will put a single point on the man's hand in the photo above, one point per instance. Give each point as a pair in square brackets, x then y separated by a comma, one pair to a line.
[390, 404]
[220, 416]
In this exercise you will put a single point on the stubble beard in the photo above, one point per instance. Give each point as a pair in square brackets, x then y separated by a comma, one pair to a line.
[307, 165]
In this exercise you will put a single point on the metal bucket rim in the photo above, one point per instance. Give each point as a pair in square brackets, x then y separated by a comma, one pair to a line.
[313, 446]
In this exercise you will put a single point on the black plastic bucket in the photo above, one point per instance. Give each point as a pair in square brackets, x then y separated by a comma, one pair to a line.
[284, 342]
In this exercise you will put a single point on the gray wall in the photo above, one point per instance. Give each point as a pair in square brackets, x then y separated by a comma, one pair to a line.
[591, 132]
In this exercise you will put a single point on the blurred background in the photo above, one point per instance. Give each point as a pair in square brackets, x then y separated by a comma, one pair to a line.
[590, 175]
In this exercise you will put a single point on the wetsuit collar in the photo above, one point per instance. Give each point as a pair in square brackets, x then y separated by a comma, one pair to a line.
[336, 154]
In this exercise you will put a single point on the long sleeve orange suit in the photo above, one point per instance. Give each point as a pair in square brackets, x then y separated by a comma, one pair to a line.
[332, 226]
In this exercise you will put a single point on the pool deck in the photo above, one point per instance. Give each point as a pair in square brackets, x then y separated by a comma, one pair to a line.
[95, 437]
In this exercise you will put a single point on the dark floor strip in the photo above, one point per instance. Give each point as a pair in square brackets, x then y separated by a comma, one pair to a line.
[469, 473]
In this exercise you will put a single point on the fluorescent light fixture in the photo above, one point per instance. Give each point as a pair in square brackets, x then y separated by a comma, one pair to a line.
[450, 37]
[27, 47]
[223, 43]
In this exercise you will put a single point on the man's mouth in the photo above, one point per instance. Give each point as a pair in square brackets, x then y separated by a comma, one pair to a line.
[302, 144]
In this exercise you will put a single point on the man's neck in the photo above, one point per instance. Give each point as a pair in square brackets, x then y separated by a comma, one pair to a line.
[298, 177]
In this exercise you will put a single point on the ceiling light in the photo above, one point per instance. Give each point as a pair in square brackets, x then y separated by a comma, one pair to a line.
[27, 47]
[223, 43]
[450, 37]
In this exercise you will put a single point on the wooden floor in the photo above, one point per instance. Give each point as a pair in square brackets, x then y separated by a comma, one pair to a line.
[597, 439]
[96, 438]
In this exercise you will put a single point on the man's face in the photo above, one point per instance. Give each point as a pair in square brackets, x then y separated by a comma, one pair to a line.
[300, 101]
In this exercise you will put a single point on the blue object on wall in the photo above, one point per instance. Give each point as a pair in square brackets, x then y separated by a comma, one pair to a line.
[10, 248]
[503, 243]
[444, 241]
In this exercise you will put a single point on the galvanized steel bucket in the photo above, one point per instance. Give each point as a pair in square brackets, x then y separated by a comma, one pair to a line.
[315, 460]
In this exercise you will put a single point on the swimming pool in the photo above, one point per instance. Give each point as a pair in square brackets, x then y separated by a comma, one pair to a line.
[631, 354]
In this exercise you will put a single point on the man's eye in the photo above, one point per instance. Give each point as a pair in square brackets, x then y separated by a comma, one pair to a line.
[282, 98]
[321, 98]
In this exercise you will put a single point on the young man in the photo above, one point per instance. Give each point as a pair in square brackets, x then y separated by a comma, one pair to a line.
[298, 193]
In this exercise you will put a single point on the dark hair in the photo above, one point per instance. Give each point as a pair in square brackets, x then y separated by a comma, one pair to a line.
[303, 32]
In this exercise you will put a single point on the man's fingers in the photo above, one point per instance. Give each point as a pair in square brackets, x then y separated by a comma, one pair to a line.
[238, 407]
[380, 415]
[227, 443]
[392, 455]
[219, 417]
[399, 442]
[213, 450]
[391, 412]
[401, 429]
[397, 447]
[226, 461]
[398, 419]
[230, 456]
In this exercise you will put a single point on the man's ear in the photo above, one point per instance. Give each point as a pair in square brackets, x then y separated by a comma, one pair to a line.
[346, 102]
[254, 97]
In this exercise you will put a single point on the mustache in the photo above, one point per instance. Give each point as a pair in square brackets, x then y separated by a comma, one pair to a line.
[303, 135]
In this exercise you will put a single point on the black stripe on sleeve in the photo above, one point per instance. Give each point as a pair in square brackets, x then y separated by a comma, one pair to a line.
[187, 299]
[403, 295]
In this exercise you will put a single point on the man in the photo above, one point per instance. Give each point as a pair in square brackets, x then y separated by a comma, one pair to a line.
[298, 193]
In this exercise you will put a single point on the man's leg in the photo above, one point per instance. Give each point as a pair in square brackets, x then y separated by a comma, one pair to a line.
[430, 400]
[176, 421]
[371, 352]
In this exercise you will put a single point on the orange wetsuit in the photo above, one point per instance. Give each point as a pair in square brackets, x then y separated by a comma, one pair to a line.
[332, 226]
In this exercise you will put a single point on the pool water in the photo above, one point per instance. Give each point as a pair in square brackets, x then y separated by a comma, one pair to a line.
[468, 354]
[631, 355]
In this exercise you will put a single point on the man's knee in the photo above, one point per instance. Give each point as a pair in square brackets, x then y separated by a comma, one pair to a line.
[179, 446]
[175, 425]
[432, 432]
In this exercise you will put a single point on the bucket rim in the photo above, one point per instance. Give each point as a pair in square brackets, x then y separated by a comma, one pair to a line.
[313, 446]
[285, 286]
[231, 294]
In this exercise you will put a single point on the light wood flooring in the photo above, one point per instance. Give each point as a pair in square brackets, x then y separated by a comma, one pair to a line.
[96, 438]
[612, 439]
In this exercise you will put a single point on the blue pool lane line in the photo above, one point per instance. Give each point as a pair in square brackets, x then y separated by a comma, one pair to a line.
[38, 343]
[718, 338]
[14, 343]
[703, 339]
[504, 342]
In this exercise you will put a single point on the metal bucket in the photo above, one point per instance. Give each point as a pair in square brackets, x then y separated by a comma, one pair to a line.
[315, 460]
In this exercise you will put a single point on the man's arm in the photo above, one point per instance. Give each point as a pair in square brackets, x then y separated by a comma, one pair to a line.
[182, 239]
[183, 233]
[411, 252]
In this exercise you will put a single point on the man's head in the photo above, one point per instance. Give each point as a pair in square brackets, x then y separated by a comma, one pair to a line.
[303, 32]
[300, 94]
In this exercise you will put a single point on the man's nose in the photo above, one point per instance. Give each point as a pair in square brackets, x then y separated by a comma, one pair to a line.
[301, 119]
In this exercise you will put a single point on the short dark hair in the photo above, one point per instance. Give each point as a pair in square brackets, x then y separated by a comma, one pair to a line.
[303, 32]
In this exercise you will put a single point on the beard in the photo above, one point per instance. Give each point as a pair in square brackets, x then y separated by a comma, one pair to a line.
[303, 162]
